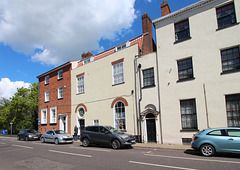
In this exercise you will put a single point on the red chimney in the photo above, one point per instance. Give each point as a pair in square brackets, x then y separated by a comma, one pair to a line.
[147, 45]
[85, 55]
[165, 8]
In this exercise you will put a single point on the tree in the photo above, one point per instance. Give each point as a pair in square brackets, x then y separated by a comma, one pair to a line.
[22, 110]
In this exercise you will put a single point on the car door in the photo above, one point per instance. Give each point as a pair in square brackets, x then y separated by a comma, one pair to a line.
[219, 139]
[49, 135]
[234, 140]
[104, 135]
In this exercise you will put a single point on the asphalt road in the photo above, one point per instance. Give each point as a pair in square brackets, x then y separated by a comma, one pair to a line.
[40, 156]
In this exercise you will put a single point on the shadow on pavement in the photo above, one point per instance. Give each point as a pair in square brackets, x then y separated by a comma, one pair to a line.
[219, 155]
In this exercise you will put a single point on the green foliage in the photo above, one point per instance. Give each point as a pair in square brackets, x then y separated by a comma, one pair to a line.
[22, 109]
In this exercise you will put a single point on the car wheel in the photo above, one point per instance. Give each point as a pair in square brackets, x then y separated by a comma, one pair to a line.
[56, 141]
[27, 139]
[85, 142]
[42, 140]
[115, 144]
[207, 150]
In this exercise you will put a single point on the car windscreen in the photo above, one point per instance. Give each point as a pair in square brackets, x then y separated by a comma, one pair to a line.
[31, 131]
[112, 129]
[59, 132]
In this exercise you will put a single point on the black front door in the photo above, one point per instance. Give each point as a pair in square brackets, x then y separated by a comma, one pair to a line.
[151, 128]
[82, 124]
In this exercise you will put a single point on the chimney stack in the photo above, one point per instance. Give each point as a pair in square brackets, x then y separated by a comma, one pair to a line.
[147, 45]
[165, 8]
[85, 55]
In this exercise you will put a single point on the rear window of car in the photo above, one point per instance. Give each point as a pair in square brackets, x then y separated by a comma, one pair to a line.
[215, 132]
[220, 132]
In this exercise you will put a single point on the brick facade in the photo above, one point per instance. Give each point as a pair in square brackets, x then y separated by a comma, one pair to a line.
[63, 105]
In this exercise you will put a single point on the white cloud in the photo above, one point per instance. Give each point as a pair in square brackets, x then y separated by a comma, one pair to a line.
[8, 88]
[60, 30]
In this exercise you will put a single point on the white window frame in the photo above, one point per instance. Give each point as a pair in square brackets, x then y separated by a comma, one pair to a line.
[43, 117]
[96, 122]
[53, 118]
[47, 96]
[60, 92]
[114, 116]
[60, 74]
[118, 72]
[47, 80]
[80, 84]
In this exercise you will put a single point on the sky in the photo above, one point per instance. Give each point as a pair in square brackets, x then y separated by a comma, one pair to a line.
[37, 36]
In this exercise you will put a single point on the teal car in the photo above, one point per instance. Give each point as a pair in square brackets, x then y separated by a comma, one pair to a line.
[210, 141]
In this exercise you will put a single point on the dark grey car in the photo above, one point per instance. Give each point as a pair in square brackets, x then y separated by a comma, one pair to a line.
[28, 134]
[105, 135]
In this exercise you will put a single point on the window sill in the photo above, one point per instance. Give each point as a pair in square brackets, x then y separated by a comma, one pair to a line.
[80, 93]
[46, 102]
[186, 79]
[60, 79]
[118, 84]
[185, 39]
[151, 86]
[53, 123]
[227, 26]
[230, 71]
[189, 130]
[60, 98]
[46, 84]
[44, 124]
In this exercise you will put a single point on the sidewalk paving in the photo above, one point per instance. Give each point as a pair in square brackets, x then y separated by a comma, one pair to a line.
[156, 146]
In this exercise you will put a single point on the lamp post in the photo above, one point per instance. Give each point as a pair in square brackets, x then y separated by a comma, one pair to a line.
[11, 127]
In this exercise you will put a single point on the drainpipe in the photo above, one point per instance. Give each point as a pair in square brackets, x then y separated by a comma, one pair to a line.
[158, 86]
[139, 103]
[136, 103]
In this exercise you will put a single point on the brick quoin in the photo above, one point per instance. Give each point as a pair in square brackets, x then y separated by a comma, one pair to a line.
[63, 105]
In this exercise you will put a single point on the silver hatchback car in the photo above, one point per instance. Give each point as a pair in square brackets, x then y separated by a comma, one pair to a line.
[56, 136]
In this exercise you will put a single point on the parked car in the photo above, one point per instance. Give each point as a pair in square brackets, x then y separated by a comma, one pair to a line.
[56, 136]
[28, 134]
[105, 135]
[210, 141]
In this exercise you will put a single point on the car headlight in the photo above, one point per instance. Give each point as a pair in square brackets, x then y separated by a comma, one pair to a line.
[60, 137]
[30, 135]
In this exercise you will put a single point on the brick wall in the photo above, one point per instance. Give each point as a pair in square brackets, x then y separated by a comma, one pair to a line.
[63, 105]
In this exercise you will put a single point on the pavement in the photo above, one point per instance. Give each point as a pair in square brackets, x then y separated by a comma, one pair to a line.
[157, 146]
[143, 145]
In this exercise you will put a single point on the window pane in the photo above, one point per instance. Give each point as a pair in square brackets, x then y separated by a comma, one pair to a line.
[120, 116]
[226, 15]
[233, 110]
[230, 59]
[185, 69]
[188, 114]
[182, 31]
[118, 76]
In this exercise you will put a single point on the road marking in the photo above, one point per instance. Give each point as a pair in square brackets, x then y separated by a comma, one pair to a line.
[68, 153]
[2, 143]
[158, 165]
[194, 159]
[92, 149]
[23, 146]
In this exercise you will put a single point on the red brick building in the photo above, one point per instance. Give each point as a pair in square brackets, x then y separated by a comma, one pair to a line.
[55, 99]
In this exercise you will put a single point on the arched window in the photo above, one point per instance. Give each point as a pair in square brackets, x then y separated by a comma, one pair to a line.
[120, 122]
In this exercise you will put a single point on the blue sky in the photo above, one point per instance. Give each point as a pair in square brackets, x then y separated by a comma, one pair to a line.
[44, 34]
